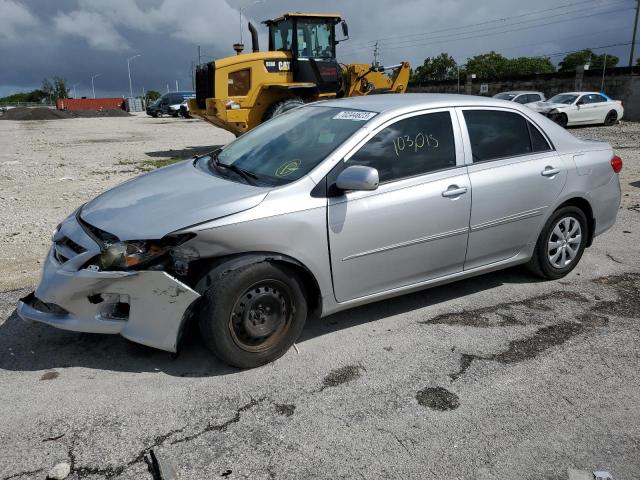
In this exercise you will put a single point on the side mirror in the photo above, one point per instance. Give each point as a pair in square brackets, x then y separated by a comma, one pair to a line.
[359, 178]
[345, 29]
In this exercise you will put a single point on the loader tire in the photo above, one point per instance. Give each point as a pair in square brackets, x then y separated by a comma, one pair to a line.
[281, 107]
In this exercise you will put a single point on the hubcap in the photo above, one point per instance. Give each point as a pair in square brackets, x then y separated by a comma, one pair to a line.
[261, 316]
[564, 242]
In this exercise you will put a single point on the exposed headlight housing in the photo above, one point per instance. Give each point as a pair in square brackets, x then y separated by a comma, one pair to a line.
[122, 255]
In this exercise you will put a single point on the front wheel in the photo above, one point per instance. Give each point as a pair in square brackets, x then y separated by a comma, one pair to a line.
[561, 119]
[253, 315]
[281, 107]
[560, 244]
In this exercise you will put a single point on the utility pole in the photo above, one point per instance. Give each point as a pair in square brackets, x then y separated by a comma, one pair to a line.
[177, 86]
[199, 55]
[74, 89]
[376, 54]
[604, 69]
[635, 30]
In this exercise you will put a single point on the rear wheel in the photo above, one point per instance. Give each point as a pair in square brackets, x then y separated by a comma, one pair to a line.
[611, 118]
[281, 107]
[560, 244]
[252, 315]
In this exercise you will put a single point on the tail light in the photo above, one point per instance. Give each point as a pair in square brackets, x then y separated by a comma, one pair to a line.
[616, 163]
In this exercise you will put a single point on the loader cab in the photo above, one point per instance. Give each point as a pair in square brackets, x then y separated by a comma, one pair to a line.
[311, 40]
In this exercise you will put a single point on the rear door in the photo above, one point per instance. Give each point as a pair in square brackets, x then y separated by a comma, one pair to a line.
[515, 175]
[414, 227]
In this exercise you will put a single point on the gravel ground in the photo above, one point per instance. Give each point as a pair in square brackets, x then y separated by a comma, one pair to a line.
[49, 168]
[497, 377]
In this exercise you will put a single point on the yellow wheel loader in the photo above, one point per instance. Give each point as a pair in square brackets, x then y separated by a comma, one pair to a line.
[239, 92]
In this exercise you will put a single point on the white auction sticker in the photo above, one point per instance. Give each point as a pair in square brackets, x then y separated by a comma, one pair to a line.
[354, 115]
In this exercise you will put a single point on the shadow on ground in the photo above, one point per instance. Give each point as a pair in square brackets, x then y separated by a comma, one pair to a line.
[33, 346]
[184, 153]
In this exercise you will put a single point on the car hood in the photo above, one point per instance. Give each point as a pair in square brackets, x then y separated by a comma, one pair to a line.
[168, 199]
[546, 106]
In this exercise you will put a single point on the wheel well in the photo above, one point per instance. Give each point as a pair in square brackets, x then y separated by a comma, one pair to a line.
[209, 269]
[585, 206]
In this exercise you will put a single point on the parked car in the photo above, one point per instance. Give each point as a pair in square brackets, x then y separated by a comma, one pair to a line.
[169, 104]
[326, 207]
[580, 108]
[521, 96]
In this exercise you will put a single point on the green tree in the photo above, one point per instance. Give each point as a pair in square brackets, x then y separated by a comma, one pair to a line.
[586, 57]
[152, 96]
[32, 96]
[488, 65]
[529, 66]
[55, 88]
[442, 67]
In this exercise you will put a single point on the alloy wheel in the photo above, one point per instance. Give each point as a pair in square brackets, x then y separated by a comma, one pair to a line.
[564, 242]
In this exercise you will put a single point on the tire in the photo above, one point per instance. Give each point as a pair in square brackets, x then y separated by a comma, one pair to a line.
[251, 316]
[281, 107]
[552, 263]
[611, 118]
[561, 119]
[154, 115]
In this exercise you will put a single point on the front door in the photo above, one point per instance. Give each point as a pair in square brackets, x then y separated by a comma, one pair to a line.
[516, 177]
[414, 227]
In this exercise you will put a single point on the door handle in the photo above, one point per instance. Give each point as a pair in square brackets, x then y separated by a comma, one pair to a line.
[454, 191]
[550, 171]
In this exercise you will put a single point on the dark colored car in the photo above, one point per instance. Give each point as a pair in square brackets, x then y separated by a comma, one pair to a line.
[168, 104]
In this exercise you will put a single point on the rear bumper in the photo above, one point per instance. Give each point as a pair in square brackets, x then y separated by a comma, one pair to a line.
[606, 204]
[147, 307]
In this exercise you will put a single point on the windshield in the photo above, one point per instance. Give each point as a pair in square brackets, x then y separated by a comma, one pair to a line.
[289, 146]
[314, 39]
[563, 98]
[505, 96]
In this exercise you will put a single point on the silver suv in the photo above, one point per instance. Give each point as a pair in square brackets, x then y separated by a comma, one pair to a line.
[326, 207]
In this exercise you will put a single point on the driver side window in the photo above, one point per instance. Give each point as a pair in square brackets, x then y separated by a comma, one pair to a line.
[410, 147]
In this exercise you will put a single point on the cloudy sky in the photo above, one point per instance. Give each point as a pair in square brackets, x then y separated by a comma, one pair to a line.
[75, 39]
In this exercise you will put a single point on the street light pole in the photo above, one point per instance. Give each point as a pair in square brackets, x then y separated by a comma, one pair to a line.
[92, 87]
[74, 89]
[129, 70]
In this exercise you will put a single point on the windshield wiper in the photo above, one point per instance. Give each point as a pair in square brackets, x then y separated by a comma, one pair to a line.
[249, 177]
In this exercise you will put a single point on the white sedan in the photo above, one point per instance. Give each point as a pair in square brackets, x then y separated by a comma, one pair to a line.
[580, 108]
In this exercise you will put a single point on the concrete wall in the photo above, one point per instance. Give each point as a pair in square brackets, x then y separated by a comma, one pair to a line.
[620, 83]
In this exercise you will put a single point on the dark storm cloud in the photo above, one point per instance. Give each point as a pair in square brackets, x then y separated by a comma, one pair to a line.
[75, 39]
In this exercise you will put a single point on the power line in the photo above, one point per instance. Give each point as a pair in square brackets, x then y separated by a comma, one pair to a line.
[504, 19]
[412, 44]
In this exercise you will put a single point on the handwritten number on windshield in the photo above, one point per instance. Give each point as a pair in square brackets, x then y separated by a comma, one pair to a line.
[415, 143]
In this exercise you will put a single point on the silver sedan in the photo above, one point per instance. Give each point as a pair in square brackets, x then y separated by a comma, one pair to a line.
[329, 206]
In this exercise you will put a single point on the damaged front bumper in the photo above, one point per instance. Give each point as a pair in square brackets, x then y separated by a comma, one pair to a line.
[146, 307]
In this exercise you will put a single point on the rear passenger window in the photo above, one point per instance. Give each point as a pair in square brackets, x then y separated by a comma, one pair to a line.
[538, 142]
[409, 147]
[495, 134]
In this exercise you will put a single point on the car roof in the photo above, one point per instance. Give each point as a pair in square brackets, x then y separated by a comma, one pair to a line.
[579, 93]
[415, 101]
[519, 92]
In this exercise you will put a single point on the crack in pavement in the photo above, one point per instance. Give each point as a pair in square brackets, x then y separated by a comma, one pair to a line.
[110, 472]
[23, 474]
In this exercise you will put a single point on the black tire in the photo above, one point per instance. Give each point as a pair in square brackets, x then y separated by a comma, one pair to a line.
[243, 304]
[154, 115]
[611, 118]
[540, 262]
[281, 107]
[561, 119]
